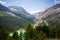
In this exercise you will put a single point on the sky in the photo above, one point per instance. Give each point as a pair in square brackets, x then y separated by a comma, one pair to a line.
[31, 6]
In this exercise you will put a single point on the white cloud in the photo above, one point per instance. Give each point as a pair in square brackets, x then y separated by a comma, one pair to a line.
[33, 11]
[2, 2]
[13, 9]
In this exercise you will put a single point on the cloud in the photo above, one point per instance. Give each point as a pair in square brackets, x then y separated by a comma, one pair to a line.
[57, 1]
[13, 9]
[2, 2]
[34, 11]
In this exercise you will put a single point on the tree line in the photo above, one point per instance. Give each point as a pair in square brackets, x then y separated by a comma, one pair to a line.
[41, 32]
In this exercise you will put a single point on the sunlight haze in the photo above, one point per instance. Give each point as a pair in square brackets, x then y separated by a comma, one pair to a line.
[31, 6]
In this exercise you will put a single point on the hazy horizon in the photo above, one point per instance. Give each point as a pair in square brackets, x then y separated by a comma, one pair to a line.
[31, 6]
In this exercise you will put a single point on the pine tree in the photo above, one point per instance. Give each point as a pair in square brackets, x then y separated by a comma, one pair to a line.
[21, 36]
[15, 36]
[30, 33]
[4, 34]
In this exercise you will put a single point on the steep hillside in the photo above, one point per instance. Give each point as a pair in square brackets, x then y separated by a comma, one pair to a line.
[21, 12]
[52, 15]
[3, 8]
[10, 21]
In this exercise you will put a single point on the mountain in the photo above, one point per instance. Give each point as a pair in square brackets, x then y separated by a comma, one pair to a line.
[10, 21]
[36, 15]
[52, 15]
[3, 8]
[21, 12]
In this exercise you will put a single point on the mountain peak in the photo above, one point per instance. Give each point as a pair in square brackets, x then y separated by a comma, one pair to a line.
[3, 8]
[58, 4]
[17, 8]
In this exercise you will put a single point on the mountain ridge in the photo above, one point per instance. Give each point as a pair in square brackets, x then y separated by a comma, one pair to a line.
[11, 22]
[52, 15]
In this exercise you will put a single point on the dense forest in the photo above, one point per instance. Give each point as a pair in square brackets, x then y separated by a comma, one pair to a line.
[41, 32]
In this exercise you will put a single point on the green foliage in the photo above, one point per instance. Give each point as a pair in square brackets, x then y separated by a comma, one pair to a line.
[4, 34]
[38, 33]
[3, 13]
[13, 23]
[58, 32]
[39, 36]
[45, 29]
[32, 34]
[52, 33]
[15, 36]
[21, 36]
[29, 34]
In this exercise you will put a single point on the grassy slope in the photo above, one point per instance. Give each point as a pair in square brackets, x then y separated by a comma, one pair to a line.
[54, 20]
[11, 22]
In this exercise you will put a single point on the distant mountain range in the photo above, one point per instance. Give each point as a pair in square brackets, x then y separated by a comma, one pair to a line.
[19, 11]
[14, 17]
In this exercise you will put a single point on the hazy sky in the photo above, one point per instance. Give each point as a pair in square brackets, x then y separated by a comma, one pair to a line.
[31, 6]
